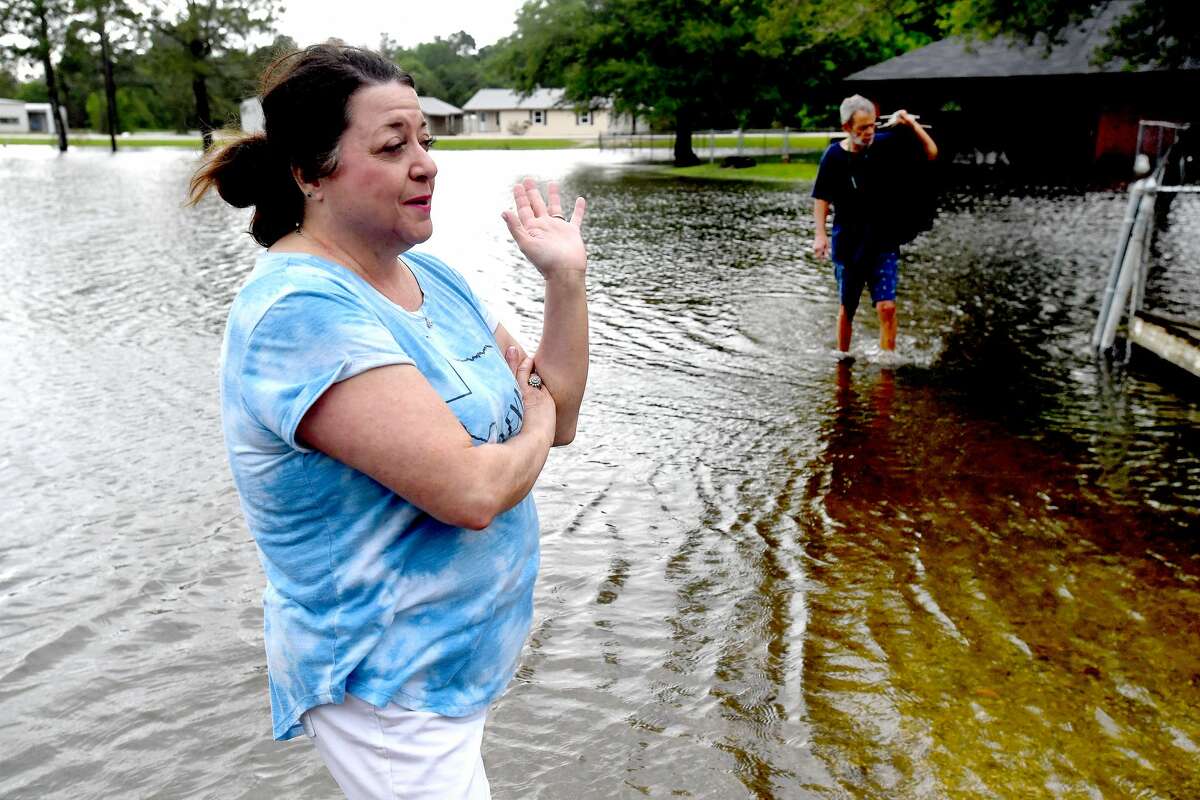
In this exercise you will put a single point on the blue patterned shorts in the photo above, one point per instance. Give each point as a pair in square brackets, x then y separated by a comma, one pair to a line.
[879, 275]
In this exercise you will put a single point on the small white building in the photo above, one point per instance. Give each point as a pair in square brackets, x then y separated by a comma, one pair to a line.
[544, 112]
[17, 116]
[251, 114]
[443, 118]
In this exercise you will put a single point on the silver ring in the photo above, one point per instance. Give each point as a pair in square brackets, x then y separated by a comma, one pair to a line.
[535, 380]
[559, 216]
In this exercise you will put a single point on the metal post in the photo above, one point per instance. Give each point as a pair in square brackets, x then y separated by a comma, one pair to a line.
[1139, 287]
[712, 146]
[1129, 266]
[1139, 261]
[740, 140]
[1110, 288]
[787, 154]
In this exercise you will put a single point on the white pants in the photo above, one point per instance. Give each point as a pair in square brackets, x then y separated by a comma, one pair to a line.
[398, 754]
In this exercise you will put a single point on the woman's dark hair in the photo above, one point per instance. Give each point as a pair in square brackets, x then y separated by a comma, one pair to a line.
[305, 102]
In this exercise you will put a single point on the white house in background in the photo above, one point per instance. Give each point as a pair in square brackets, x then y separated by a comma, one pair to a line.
[17, 116]
[251, 114]
[544, 112]
[443, 118]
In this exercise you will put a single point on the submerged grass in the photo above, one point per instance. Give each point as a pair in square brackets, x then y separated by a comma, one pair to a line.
[797, 142]
[771, 169]
[123, 144]
[801, 144]
[449, 143]
[72, 141]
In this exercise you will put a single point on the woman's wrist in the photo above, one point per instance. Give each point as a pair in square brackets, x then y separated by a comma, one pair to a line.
[541, 423]
[567, 276]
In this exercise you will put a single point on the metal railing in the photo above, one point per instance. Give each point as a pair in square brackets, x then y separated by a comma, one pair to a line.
[1126, 285]
[714, 144]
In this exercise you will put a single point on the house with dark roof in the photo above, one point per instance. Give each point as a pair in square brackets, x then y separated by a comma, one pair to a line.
[1051, 109]
[444, 118]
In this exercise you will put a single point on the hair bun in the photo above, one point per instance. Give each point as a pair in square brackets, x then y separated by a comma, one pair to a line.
[249, 165]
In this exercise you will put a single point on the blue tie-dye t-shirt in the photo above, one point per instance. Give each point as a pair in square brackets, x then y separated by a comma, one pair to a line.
[366, 593]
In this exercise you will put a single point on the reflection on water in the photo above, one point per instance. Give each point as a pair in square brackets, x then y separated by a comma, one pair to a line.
[974, 604]
[969, 571]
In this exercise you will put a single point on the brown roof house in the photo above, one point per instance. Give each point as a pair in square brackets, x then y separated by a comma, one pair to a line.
[1052, 111]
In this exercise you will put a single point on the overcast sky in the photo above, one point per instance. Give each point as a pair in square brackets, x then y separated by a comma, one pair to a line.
[361, 22]
[409, 23]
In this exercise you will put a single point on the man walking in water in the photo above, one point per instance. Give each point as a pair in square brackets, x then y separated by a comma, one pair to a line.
[857, 178]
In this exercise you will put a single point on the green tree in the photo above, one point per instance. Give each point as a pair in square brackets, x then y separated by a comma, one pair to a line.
[161, 69]
[76, 71]
[688, 64]
[102, 17]
[426, 79]
[455, 62]
[9, 85]
[1164, 33]
[813, 46]
[40, 24]
[135, 107]
[33, 92]
[492, 72]
[206, 33]
[451, 68]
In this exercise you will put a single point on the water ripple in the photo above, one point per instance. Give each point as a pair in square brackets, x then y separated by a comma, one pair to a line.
[965, 570]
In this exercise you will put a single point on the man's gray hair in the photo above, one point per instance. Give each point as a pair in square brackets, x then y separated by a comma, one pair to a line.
[854, 104]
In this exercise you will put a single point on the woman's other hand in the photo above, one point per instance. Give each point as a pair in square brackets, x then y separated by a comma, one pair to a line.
[538, 402]
[391, 424]
[552, 244]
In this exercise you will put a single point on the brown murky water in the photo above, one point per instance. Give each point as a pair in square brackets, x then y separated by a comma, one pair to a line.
[970, 571]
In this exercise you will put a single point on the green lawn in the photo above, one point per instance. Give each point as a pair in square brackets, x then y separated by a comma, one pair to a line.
[797, 142]
[771, 169]
[454, 143]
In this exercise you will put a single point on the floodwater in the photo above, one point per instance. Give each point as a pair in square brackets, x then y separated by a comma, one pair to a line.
[969, 571]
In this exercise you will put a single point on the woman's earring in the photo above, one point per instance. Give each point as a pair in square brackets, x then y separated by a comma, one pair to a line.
[308, 194]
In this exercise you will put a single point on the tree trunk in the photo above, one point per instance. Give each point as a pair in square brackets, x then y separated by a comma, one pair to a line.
[684, 155]
[110, 85]
[51, 83]
[200, 91]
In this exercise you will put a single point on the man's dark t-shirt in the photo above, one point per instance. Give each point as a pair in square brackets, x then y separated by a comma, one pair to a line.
[862, 188]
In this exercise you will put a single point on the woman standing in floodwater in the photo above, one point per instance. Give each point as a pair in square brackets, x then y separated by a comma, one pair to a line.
[384, 431]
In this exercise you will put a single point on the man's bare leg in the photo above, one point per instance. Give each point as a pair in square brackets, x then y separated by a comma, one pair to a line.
[844, 330]
[887, 324]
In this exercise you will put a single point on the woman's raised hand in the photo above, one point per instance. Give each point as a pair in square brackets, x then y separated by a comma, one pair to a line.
[550, 242]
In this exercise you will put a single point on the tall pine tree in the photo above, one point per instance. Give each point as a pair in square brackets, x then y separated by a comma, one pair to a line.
[205, 31]
[40, 23]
